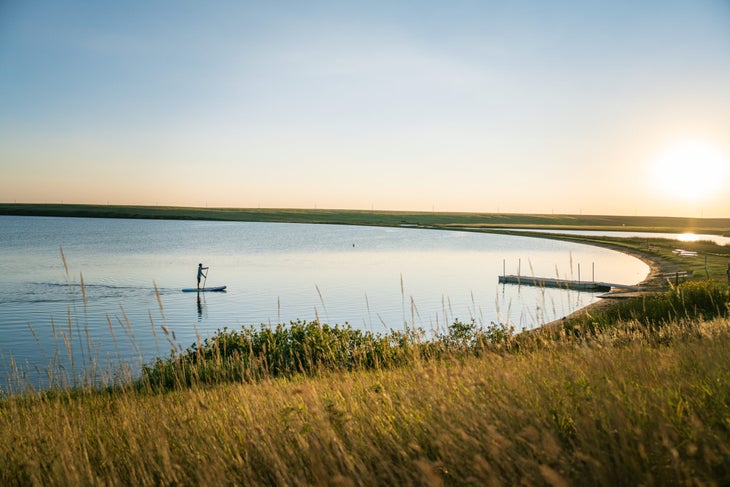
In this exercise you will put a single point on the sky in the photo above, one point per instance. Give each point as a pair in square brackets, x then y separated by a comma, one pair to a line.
[578, 107]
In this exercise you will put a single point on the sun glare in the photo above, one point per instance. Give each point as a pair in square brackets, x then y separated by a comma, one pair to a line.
[688, 237]
[690, 171]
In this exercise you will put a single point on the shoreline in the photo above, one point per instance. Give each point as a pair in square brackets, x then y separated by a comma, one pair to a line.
[655, 281]
[652, 283]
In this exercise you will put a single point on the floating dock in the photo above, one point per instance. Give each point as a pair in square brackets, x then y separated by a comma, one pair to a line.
[590, 286]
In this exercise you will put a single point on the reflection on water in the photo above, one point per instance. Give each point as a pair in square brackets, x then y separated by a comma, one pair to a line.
[375, 279]
[682, 237]
[691, 237]
[200, 308]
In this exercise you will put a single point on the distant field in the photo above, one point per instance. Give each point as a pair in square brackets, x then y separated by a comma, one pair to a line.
[716, 226]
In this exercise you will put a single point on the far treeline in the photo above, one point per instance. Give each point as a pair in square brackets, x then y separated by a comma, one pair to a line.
[484, 221]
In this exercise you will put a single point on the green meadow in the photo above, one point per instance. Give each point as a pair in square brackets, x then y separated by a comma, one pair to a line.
[633, 393]
[716, 226]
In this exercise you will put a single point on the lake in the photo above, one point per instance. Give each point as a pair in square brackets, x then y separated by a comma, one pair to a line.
[373, 278]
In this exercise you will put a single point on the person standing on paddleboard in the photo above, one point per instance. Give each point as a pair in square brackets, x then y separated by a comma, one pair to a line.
[201, 273]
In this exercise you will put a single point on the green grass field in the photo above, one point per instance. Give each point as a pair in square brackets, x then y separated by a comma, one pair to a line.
[718, 226]
[634, 394]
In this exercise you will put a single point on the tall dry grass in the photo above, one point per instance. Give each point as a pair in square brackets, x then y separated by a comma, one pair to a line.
[610, 407]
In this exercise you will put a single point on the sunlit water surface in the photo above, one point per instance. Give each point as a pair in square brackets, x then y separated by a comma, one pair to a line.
[376, 279]
[679, 237]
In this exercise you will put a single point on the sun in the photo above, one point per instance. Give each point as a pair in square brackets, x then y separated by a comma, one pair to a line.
[691, 170]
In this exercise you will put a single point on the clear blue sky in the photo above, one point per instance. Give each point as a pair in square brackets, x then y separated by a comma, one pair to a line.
[539, 107]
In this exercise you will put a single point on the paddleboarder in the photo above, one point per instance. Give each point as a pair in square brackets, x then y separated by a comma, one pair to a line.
[201, 273]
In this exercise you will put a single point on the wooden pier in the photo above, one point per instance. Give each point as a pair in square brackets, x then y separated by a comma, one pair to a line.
[590, 286]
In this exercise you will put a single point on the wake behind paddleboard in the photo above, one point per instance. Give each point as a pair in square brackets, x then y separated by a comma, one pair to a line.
[204, 289]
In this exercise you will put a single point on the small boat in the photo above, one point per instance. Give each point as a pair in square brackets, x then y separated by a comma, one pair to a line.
[204, 289]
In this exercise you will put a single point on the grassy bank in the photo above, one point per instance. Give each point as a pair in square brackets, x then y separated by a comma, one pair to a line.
[633, 401]
[251, 354]
[616, 409]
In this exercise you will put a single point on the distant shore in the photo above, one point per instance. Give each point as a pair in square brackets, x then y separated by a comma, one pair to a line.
[474, 221]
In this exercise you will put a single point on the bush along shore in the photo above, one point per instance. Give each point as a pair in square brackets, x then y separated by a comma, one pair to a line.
[312, 348]
[639, 394]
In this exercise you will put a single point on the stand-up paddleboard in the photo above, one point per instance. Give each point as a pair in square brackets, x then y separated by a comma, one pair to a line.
[204, 289]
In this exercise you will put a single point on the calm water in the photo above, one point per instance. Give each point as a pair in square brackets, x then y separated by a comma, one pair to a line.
[373, 278]
[680, 237]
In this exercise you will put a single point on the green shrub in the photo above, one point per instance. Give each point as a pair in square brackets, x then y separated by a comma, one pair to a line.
[691, 300]
[310, 348]
[299, 348]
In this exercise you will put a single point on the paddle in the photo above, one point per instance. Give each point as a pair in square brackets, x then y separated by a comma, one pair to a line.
[205, 278]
